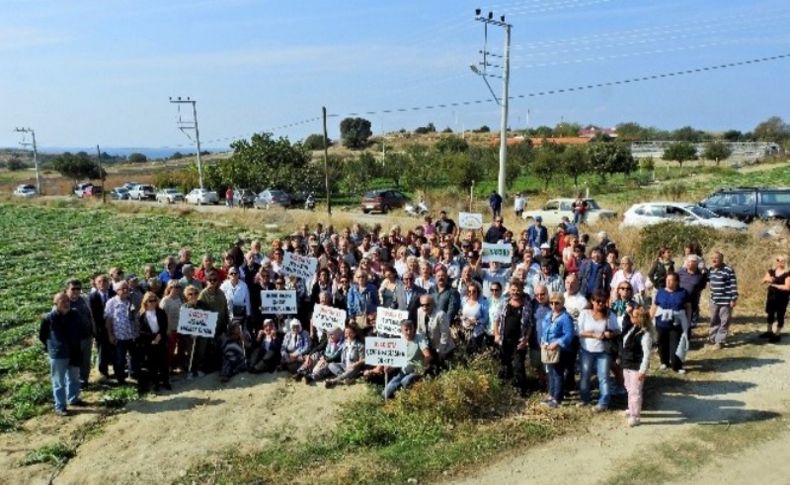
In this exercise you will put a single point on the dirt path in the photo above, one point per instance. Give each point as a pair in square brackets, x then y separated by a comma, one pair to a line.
[745, 383]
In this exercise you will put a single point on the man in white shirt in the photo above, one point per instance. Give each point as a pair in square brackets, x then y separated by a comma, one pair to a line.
[575, 302]
[519, 204]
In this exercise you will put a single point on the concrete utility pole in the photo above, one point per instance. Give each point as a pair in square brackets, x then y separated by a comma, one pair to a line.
[326, 165]
[32, 144]
[184, 126]
[504, 101]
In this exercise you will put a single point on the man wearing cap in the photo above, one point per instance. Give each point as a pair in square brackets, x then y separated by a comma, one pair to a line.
[546, 257]
[537, 234]
[496, 232]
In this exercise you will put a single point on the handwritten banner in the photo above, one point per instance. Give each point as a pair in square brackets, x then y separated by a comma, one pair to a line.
[470, 220]
[278, 302]
[500, 253]
[300, 266]
[326, 317]
[199, 323]
[385, 351]
[388, 321]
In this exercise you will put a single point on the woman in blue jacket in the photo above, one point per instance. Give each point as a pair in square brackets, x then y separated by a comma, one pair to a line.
[557, 334]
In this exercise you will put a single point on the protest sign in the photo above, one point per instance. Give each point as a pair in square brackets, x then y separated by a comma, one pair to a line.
[500, 253]
[385, 351]
[300, 266]
[326, 317]
[278, 302]
[199, 323]
[388, 321]
[470, 220]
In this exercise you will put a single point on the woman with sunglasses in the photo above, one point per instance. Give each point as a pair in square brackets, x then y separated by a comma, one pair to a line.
[597, 328]
[474, 319]
[557, 334]
[778, 281]
[623, 305]
[152, 344]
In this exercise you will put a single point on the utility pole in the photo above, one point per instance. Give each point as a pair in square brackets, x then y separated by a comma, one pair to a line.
[101, 174]
[32, 144]
[504, 101]
[326, 165]
[185, 126]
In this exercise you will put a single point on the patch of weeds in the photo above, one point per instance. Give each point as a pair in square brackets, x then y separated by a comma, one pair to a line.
[53, 453]
[458, 419]
[119, 396]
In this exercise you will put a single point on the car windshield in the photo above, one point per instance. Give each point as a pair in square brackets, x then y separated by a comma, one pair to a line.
[701, 212]
[170, 191]
[373, 194]
[591, 204]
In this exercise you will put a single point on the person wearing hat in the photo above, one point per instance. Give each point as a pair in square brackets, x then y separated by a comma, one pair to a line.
[546, 257]
[295, 347]
[537, 234]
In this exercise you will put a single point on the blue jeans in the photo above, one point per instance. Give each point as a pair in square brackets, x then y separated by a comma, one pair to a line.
[557, 375]
[601, 361]
[398, 381]
[65, 382]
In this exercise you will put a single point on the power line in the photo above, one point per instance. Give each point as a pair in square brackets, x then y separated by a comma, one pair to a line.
[547, 92]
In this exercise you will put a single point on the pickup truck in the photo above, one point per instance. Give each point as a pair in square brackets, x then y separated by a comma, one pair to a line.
[750, 203]
[142, 192]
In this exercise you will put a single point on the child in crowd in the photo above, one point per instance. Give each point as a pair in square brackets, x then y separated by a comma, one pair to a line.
[635, 360]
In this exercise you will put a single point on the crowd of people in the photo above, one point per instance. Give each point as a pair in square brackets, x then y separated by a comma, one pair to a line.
[566, 304]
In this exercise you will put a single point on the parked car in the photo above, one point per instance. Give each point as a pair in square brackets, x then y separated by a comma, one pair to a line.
[270, 197]
[87, 189]
[646, 214]
[244, 197]
[142, 192]
[749, 203]
[383, 200]
[169, 196]
[119, 193]
[26, 191]
[129, 185]
[202, 196]
[555, 209]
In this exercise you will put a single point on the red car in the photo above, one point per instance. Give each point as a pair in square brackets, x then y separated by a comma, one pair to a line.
[383, 200]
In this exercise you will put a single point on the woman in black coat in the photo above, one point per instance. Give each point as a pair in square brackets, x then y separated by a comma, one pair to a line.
[152, 344]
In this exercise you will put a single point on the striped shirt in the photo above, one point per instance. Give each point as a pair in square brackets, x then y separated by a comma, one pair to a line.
[723, 285]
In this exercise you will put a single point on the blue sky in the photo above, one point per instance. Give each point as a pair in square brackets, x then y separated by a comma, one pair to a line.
[87, 72]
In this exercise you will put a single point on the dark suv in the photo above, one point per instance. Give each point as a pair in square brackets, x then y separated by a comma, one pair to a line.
[749, 203]
[383, 200]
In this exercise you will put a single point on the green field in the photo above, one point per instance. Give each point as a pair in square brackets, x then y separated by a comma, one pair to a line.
[41, 247]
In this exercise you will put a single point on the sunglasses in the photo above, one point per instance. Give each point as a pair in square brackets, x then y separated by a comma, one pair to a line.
[233, 274]
[552, 303]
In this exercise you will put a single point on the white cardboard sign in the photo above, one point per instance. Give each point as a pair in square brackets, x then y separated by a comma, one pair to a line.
[199, 323]
[326, 317]
[300, 266]
[385, 351]
[470, 220]
[278, 302]
[500, 253]
[388, 321]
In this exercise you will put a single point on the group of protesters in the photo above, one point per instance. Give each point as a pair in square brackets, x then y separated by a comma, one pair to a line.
[559, 304]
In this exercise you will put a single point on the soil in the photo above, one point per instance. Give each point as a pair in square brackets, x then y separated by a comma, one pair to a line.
[746, 382]
[157, 439]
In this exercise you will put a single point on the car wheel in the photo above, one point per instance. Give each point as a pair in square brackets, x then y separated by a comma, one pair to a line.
[385, 208]
[366, 211]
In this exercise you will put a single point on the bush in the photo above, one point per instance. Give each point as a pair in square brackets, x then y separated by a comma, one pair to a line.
[674, 190]
[316, 142]
[15, 164]
[647, 164]
[676, 235]
[55, 454]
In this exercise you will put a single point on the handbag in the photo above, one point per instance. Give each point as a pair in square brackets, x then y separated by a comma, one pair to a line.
[548, 356]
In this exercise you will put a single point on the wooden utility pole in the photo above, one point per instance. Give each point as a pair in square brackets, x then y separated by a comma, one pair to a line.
[326, 165]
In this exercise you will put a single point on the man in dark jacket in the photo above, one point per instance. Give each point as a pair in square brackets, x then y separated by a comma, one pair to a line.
[87, 330]
[495, 201]
[60, 334]
[496, 232]
[447, 299]
[407, 296]
[97, 300]
[595, 274]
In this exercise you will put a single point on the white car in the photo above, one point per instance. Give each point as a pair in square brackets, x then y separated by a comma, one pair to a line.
[202, 196]
[169, 196]
[649, 213]
[142, 192]
[26, 191]
[555, 209]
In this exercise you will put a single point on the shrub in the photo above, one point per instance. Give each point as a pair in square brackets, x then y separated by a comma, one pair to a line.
[674, 190]
[55, 454]
[647, 164]
[15, 164]
[676, 235]
[316, 142]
